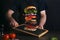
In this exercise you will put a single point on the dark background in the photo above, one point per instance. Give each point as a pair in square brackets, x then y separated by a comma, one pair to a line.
[53, 20]
[53, 14]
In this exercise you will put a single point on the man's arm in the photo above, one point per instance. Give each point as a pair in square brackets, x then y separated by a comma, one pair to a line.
[10, 19]
[43, 19]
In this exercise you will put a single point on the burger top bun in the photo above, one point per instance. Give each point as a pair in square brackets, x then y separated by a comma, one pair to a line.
[30, 7]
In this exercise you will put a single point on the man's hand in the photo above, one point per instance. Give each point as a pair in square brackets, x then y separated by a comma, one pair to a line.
[40, 27]
[13, 23]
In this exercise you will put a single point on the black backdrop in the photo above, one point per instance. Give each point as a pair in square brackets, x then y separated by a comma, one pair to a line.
[53, 14]
[53, 21]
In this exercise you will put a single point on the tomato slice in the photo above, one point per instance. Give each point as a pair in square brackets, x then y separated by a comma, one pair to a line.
[33, 16]
[27, 18]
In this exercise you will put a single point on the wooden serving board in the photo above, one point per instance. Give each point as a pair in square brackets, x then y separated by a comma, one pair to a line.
[38, 33]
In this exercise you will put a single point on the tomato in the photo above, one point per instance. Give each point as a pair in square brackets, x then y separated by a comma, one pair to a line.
[12, 35]
[33, 16]
[6, 37]
[27, 18]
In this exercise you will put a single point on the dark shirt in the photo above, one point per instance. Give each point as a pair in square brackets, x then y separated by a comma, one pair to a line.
[21, 4]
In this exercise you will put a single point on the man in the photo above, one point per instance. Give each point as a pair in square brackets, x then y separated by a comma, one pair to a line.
[20, 5]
